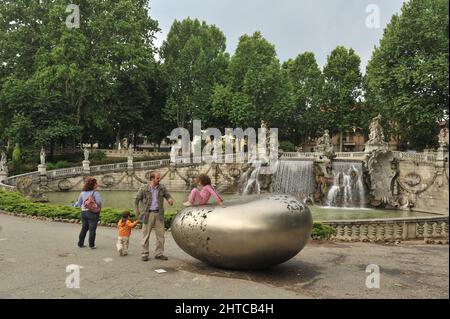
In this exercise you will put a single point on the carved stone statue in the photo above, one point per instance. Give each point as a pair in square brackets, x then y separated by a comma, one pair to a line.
[86, 153]
[263, 124]
[42, 156]
[376, 136]
[325, 145]
[130, 153]
[3, 163]
[124, 143]
[443, 137]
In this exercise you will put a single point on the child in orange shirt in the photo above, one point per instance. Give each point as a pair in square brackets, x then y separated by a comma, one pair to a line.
[124, 225]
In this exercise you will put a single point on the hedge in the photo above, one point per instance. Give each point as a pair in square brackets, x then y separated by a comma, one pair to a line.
[14, 202]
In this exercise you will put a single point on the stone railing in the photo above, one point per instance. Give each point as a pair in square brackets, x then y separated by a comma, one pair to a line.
[314, 155]
[151, 164]
[73, 171]
[12, 181]
[427, 228]
[301, 155]
[359, 155]
[108, 168]
[124, 153]
[416, 157]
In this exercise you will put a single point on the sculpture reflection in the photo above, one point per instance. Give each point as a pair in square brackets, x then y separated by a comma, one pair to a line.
[251, 232]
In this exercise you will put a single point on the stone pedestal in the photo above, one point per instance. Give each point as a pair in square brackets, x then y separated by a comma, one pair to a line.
[440, 161]
[370, 148]
[42, 169]
[3, 176]
[86, 168]
[130, 163]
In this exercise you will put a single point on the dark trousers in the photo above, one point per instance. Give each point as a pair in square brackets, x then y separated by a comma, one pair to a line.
[89, 222]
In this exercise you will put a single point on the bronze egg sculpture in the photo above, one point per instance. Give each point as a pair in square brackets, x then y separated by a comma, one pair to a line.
[250, 232]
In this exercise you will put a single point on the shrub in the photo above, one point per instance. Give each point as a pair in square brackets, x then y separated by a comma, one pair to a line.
[321, 231]
[98, 155]
[287, 146]
[59, 165]
[168, 217]
[16, 203]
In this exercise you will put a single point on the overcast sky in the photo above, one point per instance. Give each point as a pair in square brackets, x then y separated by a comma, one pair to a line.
[294, 26]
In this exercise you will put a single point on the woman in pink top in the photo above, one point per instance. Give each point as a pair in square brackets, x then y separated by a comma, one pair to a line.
[201, 197]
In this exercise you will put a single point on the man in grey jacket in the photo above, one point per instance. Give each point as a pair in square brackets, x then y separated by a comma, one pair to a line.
[149, 208]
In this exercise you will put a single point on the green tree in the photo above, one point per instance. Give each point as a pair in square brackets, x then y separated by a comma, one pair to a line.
[307, 85]
[407, 79]
[342, 91]
[256, 89]
[194, 62]
[71, 83]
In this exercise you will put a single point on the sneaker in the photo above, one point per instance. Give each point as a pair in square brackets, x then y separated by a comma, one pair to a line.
[161, 257]
[82, 246]
[187, 204]
[93, 247]
[144, 258]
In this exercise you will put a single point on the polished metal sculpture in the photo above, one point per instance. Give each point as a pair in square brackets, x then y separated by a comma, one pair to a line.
[251, 232]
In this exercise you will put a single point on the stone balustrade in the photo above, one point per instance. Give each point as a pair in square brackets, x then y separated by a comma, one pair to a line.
[124, 153]
[359, 155]
[401, 156]
[73, 171]
[416, 157]
[299, 155]
[396, 229]
[12, 181]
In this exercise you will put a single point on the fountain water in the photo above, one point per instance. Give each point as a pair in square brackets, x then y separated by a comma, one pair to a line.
[251, 181]
[295, 178]
[348, 187]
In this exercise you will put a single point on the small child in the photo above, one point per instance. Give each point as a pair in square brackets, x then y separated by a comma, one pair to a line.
[197, 197]
[124, 225]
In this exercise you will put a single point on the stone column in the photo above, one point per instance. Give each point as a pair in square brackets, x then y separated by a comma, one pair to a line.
[86, 168]
[130, 163]
[42, 169]
[364, 232]
[390, 232]
[357, 232]
[382, 232]
[3, 175]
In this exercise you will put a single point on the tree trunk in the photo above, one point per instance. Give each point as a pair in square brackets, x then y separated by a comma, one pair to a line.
[51, 151]
[341, 133]
[134, 140]
[118, 138]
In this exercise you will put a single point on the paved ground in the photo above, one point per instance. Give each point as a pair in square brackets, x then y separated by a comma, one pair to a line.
[34, 256]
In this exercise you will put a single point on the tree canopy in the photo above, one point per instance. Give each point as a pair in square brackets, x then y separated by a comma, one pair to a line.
[407, 78]
[101, 82]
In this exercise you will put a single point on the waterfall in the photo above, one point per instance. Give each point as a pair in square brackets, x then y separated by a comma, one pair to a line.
[251, 182]
[295, 178]
[348, 186]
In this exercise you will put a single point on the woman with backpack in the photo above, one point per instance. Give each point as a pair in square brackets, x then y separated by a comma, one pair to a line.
[91, 204]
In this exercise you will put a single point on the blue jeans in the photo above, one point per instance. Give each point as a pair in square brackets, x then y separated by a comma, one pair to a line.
[89, 222]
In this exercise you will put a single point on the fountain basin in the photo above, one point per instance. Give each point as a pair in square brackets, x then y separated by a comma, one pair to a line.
[251, 232]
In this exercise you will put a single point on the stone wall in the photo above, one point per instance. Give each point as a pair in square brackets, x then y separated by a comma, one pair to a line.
[421, 188]
[409, 181]
[393, 179]
[226, 177]
[430, 229]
